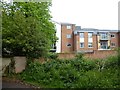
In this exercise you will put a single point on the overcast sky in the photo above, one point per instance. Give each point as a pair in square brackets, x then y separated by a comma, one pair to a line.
[99, 14]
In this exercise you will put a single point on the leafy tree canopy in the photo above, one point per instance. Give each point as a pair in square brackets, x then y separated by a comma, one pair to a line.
[27, 28]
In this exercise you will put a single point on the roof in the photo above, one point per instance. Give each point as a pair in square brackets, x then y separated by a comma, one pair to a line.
[65, 23]
[78, 28]
[94, 30]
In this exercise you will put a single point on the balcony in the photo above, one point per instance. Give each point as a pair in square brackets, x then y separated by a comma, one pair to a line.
[104, 37]
[105, 47]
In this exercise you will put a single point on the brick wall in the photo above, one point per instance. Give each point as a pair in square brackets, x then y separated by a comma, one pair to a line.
[96, 55]
[94, 41]
[119, 39]
[65, 40]
[101, 54]
[114, 39]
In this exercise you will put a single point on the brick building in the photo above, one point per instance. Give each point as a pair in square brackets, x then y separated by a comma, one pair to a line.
[77, 39]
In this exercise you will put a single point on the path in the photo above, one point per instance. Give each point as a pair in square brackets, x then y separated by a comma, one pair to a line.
[7, 83]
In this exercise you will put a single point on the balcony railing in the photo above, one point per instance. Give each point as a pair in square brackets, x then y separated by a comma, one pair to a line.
[104, 47]
[104, 38]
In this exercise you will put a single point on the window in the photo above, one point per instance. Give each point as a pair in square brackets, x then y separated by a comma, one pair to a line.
[68, 26]
[68, 35]
[90, 35]
[112, 35]
[90, 45]
[113, 44]
[104, 45]
[81, 35]
[81, 45]
[69, 45]
[104, 36]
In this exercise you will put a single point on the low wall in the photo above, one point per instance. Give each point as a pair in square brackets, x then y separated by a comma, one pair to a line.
[20, 64]
[5, 62]
[101, 54]
[95, 55]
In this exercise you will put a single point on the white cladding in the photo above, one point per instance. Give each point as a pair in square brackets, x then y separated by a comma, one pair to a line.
[90, 39]
[58, 34]
[81, 39]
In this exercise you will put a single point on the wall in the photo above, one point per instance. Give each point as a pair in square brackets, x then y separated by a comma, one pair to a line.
[20, 63]
[114, 39]
[101, 54]
[97, 54]
[94, 42]
[119, 38]
[5, 63]
[65, 40]
[58, 34]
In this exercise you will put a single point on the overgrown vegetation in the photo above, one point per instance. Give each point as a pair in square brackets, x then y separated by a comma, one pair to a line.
[75, 73]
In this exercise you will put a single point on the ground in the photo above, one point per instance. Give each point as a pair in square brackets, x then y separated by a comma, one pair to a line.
[14, 83]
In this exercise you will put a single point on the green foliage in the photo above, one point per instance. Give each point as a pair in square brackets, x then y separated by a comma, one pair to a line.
[79, 55]
[73, 74]
[52, 55]
[27, 28]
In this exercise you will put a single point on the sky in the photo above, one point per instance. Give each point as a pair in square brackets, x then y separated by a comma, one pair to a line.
[99, 14]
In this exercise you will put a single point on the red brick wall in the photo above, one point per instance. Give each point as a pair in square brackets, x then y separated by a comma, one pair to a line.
[101, 54]
[65, 40]
[114, 39]
[94, 37]
[76, 42]
[97, 54]
[95, 42]
[119, 39]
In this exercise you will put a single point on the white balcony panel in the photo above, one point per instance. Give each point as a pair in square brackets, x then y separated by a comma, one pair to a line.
[81, 39]
[90, 40]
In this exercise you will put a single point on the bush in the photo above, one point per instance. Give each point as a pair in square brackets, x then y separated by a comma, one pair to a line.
[52, 55]
[79, 55]
[74, 73]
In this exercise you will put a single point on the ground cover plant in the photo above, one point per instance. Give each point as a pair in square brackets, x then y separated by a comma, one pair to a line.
[74, 73]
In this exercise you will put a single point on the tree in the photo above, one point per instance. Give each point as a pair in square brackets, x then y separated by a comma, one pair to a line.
[27, 28]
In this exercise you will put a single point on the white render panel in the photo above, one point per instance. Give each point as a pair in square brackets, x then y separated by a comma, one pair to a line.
[58, 34]
[90, 39]
[81, 39]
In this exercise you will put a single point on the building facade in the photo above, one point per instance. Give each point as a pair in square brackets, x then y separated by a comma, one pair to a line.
[77, 39]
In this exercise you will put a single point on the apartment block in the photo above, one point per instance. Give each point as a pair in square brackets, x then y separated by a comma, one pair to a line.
[77, 39]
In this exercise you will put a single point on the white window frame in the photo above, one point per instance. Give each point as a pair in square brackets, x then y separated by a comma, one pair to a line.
[104, 36]
[69, 27]
[81, 34]
[81, 45]
[103, 44]
[69, 36]
[90, 34]
[89, 44]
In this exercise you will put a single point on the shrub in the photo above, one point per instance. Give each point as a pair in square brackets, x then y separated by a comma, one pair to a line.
[79, 55]
[52, 56]
[76, 73]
